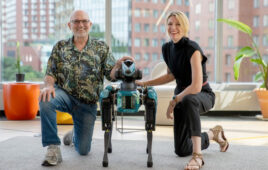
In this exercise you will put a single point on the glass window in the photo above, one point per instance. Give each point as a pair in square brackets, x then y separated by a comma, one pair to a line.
[227, 77]
[146, 27]
[256, 39]
[162, 28]
[255, 21]
[265, 40]
[154, 1]
[146, 13]
[211, 24]
[231, 4]
[137, 56]
[256, 3]
[230, 41]
[265, 3]
[198, 8]
[146, 56]
[210, 42]
[137, 42]
[197, 25]
[137, 12]
[155, 42]
[211, 7]
[155, 13]
[227, 60]
[155, 28]
[187, 3]
[197, 40]
[265, 20]
[146, 42]
[137, 27]
[146, 71]
[155, 56]
[179, 2]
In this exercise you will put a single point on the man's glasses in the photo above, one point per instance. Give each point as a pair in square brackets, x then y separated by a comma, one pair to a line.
[77, 22]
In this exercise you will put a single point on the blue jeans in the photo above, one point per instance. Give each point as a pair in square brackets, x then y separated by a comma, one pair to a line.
[84, 116]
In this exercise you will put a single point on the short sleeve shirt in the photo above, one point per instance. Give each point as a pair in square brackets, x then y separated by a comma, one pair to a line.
[81, 73]
[178, 56]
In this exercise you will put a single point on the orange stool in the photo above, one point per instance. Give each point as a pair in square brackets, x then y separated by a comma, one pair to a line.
[21, 100]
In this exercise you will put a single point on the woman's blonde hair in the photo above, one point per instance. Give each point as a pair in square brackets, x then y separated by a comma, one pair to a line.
[183, 20]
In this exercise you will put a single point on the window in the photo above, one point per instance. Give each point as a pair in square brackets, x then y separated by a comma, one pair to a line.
[146, 71]
[155, 28]
[137, 27]
[197, 40]
[230, 41]
[163, 1]
[179, 2]
[227, 60]
[265, 3]
[208, 59]
[187, 3]
[256, 3]
[227, 77]
[231, 4]
[155, 13]
[197, 25]
[163, 41]
[255, 21]
[211, 24]
[146, 27]
[198, 8]
[146, 13]
[155, 56]
[137, 12]
[211, 7]
[137, 42]
[162, 28]
[265, 40]
[256, 39]
[137, 56]
[154, 42]
[154, 1]
[210, 42]
[146, 56]
[265, 20]
[146, 42]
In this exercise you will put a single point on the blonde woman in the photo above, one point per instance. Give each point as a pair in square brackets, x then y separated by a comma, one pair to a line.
[187, 65]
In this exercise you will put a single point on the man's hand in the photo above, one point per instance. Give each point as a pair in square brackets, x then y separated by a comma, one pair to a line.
[140, 83]
[170, 109]
[46, 92]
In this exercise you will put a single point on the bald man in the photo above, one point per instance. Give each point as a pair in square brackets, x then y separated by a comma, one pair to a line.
[73, 81]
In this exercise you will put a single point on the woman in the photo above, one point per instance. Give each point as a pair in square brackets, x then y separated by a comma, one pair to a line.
[193, 95]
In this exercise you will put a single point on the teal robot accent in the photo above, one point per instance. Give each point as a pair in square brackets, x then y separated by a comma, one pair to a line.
[128, 98]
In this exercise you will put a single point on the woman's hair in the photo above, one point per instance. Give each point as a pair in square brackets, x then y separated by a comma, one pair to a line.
[183, 20]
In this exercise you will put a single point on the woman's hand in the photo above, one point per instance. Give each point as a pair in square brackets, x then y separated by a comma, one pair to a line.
[140, 83]
[170, 109]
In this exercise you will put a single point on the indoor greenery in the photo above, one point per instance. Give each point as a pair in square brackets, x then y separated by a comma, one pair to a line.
[251, 51]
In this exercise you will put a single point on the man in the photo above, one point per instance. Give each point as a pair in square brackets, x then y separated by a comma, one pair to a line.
[73, 82]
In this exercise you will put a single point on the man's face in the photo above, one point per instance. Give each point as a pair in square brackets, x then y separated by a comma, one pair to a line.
[80, 24]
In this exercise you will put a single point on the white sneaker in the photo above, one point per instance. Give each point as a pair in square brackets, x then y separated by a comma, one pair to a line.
[53, 156]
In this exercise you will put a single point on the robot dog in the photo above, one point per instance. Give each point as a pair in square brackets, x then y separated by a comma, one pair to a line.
[128, 99]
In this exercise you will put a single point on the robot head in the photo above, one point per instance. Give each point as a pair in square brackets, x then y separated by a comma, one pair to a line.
[128, 68]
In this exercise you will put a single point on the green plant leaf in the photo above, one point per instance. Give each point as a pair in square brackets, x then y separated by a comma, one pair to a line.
[237, 24]
[258, 77]
[245, 52]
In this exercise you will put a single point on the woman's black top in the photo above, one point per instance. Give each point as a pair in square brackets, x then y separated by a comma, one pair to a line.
[177, 57]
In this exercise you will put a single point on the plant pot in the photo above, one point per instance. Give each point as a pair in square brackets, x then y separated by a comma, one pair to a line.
[20, 77]
[263, 100]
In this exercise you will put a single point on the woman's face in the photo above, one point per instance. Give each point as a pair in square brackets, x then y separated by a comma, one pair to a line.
[174, 29]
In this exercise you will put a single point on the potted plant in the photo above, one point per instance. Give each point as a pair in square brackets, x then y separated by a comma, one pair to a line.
[19, 75]
[255, 56]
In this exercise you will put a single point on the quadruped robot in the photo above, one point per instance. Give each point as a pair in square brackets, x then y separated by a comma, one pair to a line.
[127, 98]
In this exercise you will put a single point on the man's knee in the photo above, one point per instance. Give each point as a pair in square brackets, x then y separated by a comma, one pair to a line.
[83, 151]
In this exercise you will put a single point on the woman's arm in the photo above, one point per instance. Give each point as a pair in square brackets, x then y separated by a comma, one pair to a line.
[197, 77]
[166, 78]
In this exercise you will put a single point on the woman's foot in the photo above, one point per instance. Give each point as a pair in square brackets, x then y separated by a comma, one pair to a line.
[195, 163]
[219, 137]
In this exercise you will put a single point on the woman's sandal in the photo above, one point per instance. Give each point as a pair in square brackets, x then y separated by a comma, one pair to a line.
[197, 165]
[223, 144]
